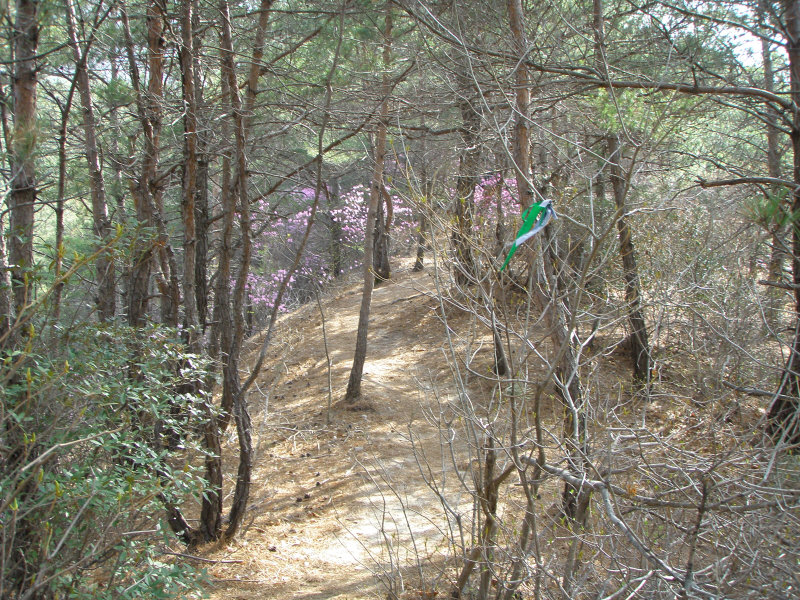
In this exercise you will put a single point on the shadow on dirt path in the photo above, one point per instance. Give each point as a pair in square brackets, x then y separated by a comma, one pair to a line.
[336, 508]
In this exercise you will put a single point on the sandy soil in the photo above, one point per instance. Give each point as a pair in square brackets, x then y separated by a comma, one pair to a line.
[339, 506]
[326, 516]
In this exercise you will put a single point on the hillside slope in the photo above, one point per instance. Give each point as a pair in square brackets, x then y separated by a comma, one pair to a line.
[357, 505]
[325, 495]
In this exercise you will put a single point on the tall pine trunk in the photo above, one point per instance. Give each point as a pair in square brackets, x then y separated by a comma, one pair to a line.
[5, 292]
[22, 199]
[383, 224]
[353, 393]
[639, 346]
[426, 185]
[58, 259]
[554, 300]
[211, 506]
[18, 448]
[140, 187]
[467, 178]
[202, 216]
[775, 296]
[104, 266]
[241, 120]
[189, 183]
[167, 272]
[784, 413]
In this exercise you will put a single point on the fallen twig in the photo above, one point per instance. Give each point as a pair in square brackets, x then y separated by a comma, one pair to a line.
[755, 391]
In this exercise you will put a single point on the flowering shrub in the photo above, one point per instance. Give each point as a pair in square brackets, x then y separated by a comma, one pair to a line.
[336, 242]
[495, 197]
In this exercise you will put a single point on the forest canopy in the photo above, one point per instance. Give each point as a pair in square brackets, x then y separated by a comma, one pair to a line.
[178, 175]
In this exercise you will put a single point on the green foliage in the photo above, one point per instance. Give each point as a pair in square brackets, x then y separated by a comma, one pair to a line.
[85, 471]
[770, 211]
[116, 92]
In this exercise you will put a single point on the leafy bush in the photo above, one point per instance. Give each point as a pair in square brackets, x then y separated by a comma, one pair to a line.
[85, 472]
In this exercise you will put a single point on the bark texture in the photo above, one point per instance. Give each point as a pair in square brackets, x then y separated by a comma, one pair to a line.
[104, 264]
[22, 199]
[639, 345]
[784, 413]
[467, 179]
[353, 393]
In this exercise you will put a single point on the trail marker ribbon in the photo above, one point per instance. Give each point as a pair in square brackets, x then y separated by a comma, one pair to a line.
[534, 219]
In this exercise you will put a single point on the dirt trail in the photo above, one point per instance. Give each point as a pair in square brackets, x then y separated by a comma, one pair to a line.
[327, 500]
[337, 510]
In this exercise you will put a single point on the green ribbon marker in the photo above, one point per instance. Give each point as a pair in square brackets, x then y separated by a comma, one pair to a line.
[534, 219]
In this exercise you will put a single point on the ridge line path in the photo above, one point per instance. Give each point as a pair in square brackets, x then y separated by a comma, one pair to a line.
[326, 517]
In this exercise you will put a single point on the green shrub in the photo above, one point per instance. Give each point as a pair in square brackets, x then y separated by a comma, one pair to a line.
[85, 472]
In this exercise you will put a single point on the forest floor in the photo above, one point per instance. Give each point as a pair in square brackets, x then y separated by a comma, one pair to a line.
[339, 507]
[327, 498]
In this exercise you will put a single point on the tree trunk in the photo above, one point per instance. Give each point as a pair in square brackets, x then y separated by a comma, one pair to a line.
[240, 411]
[383, 220]
[639, 346]
[501, 367]
[229, 312]
[201, 194]
[422, 238]
[426, 186]
[22, 199]
[117, 187]
[138, 287]
[520, 150]
[520, 146]
[190, 165]
[353, 393]
[568, 380]
[553, 302]
[6, 303]
[211, 507]
[149, 211]
[774, 296]
[467, 177]
[522, 100]
[784, 414]
[167, 273]
[147, 191]
[201, 218]
[106, 287]
[222, 321]
[419, 260]
[22, 553]
[58, 259]
[255, 64]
